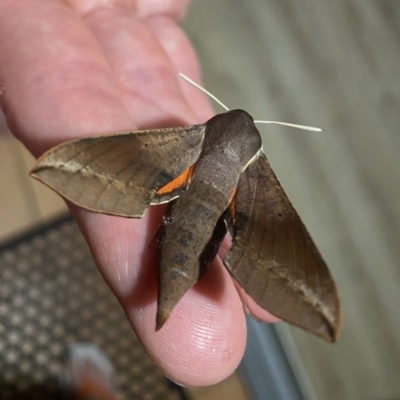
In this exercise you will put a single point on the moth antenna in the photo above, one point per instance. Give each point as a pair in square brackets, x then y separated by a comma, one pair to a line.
[196, 85]
[304, 127]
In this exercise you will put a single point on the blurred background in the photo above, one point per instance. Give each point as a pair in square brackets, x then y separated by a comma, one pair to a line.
[334, 65]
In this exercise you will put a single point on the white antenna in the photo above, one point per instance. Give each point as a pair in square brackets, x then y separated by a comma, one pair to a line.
[203, 90]
[304, 127]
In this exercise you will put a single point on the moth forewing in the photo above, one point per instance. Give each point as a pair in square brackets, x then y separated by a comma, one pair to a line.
[120, 174]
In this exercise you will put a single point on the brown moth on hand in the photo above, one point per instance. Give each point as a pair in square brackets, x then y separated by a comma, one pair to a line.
[216, 178]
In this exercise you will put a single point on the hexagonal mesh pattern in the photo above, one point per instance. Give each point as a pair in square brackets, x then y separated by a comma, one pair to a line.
[51, 295]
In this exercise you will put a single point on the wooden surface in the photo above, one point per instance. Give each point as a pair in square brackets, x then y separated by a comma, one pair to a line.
[23, 202]
[333, 64]
[336, 65]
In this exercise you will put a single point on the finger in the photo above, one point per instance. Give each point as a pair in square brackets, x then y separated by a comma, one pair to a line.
[59, 88]
[203, 340]
[183, 58]
[173, 9]
[53, 111]
[227, 314]
[147, 72]
[150, 89]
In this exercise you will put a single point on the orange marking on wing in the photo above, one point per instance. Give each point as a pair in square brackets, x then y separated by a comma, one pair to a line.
[178, 182]
[232, 206]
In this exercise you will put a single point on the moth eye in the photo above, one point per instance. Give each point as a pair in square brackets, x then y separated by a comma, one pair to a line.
[145, 145]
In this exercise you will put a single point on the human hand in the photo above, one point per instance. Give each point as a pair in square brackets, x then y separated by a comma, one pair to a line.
[76, 68]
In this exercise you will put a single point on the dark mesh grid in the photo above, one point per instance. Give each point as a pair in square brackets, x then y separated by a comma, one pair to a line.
[51, 295]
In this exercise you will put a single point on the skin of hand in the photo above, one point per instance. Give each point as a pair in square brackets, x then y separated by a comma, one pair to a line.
[77, 68]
